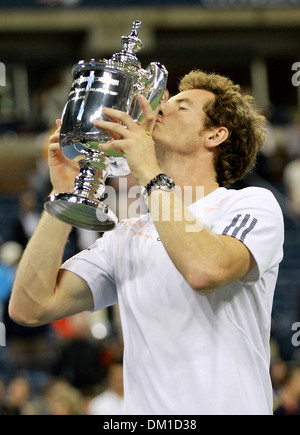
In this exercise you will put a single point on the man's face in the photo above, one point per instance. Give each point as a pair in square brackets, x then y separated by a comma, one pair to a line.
[180, 122]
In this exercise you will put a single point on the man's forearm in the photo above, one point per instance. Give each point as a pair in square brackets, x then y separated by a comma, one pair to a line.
[180, 232]
[37, 272]
[206, 260]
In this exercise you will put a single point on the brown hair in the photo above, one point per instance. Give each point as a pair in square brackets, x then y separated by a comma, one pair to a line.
[236, 111]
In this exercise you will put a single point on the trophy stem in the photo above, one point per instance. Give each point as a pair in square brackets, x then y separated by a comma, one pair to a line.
[83, 208]
[90, 183]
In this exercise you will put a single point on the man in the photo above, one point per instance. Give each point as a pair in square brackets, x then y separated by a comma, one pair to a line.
[195, 289]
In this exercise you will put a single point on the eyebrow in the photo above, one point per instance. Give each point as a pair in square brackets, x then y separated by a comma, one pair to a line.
[184, 100]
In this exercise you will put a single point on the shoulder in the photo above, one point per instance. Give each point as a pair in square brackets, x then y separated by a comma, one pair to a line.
[252, 197]
[252, 209]
[252, 192]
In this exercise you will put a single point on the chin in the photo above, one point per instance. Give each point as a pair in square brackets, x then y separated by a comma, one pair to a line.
[155, 136]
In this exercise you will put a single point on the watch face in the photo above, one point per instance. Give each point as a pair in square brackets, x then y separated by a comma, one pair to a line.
[166, 181]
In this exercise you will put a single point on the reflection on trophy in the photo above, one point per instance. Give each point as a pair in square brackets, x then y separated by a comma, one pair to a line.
[114, 83]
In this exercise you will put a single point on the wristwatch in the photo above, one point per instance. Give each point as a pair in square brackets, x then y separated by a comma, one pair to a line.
[161, 182]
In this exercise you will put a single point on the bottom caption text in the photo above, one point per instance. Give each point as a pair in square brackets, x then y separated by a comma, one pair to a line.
[149, 424]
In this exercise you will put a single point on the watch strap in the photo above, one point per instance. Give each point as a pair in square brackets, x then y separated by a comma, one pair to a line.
[160, 182]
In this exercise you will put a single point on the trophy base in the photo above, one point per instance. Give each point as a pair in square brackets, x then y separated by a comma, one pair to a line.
[81, 212]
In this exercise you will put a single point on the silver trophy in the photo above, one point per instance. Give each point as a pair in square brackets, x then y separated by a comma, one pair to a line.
[114, 83]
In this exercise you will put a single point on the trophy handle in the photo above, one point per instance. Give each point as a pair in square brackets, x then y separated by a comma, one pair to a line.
[155, 89]
[152, 84]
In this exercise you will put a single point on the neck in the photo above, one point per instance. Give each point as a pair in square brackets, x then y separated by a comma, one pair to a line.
[193, 175]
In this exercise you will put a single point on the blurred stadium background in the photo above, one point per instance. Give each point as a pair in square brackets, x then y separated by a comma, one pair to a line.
[254, 42]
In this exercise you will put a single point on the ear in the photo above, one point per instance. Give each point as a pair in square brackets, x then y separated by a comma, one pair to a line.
[216, 136]
[165, 96]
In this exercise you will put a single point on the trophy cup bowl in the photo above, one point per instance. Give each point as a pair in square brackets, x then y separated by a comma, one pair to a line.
[115, 83]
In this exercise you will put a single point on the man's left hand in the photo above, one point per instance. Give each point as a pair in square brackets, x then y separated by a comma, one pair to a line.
[133, 139]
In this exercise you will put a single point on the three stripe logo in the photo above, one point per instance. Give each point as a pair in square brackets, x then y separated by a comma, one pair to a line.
[240, 227]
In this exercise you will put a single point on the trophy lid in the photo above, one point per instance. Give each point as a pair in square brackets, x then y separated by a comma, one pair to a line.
[131, 45]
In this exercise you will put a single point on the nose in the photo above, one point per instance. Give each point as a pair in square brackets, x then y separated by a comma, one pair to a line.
[164, 99]
[165, 109]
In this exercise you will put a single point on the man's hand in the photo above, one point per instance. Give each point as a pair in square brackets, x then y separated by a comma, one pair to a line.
[133, 139]
[63, 171]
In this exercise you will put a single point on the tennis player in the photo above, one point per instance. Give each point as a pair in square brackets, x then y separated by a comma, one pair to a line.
[195, 290]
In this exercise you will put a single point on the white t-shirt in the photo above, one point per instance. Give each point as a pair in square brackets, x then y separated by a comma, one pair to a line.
[185, 353]
[107, 403]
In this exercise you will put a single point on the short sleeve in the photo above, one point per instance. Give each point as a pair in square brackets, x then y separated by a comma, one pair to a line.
[254, 217]
[95, 267]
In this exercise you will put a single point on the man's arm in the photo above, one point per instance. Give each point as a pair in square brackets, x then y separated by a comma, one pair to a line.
[205, 259]
[42, 292]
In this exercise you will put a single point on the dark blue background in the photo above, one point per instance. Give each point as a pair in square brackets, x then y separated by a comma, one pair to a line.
[114, 3]
[106, 3]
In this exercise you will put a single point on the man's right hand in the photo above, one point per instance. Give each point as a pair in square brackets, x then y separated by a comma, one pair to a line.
[63, 171]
